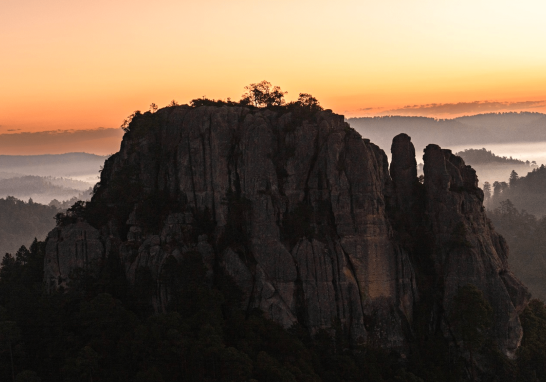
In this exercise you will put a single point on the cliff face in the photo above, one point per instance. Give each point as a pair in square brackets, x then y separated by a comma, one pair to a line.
[445, 228]
[302, 215]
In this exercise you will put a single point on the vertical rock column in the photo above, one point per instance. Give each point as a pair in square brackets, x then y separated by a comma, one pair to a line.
[465, 248]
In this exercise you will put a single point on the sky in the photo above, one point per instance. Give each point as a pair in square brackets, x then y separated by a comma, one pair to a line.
[68, 66]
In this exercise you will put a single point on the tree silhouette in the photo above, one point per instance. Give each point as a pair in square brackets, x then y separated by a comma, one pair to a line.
[507, 208]
[127, 121]
[307, 101]
[487, 190]
[513, 178]
[263, 94]
[153, 107]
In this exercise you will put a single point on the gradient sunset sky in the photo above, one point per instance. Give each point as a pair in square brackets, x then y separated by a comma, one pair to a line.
[73, 65]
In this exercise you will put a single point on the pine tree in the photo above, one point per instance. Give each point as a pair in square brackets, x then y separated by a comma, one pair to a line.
[513, 178]
[487, 190]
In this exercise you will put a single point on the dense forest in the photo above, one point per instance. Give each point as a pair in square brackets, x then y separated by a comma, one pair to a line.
[491, 167]
[517, 209]
[102, 330]
[21, 222]
[525, 192]
[526, 237]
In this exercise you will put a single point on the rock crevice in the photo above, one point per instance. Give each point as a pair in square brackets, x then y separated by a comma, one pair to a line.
[304, 217]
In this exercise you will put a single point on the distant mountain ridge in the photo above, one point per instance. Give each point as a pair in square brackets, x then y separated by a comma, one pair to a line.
[44, 189]
[57, 165]
[48, 159]
[485, 157]
[468, 130]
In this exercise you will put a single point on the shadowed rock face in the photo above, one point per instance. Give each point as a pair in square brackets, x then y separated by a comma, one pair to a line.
[303, 215]
[77, 246]
[453, 243]
[466, 249]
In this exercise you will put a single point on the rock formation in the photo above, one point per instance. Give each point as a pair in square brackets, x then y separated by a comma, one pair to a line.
[302, 214]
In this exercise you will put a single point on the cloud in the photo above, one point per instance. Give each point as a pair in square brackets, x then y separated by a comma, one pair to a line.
[12, 129]
[462, 108]
[99, 141]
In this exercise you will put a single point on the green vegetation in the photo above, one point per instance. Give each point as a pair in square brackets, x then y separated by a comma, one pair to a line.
[482, 157]
[100, 330]
[532, 353]
[21, 222]
[526, 237]
[525, 192]
[127, 121]
[261, 95]
[103, 330]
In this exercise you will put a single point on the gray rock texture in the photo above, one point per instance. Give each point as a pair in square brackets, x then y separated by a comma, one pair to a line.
[303, 215]
[466, 249]
[76, 246]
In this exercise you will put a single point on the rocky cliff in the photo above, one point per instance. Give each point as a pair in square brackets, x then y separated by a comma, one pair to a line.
[303, 215]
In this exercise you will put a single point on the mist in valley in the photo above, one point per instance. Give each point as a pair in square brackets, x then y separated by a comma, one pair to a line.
[519, 136]
[508, 152]
[34, 188]
[79, 166]
[44, 178]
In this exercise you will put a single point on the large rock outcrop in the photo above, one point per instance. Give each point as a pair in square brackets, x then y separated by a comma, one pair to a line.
[452, 241]
[466, 249]
[302, 214]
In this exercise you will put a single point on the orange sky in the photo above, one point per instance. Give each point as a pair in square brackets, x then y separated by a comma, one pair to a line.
[83, 65]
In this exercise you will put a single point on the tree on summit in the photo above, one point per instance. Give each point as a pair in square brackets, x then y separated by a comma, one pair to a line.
[263, 94]
[308, 102]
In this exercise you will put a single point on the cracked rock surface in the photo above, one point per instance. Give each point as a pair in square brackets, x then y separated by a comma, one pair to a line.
[303, 215]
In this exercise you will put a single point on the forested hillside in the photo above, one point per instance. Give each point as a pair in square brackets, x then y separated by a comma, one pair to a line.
[491, 167]
[484, 157]
[104, 330]
[526, 237]
[44, 189]
[526, 192]
[21, 222]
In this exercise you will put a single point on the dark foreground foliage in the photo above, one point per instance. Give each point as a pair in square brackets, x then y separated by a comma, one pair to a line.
[22, 221]
[101, 330]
